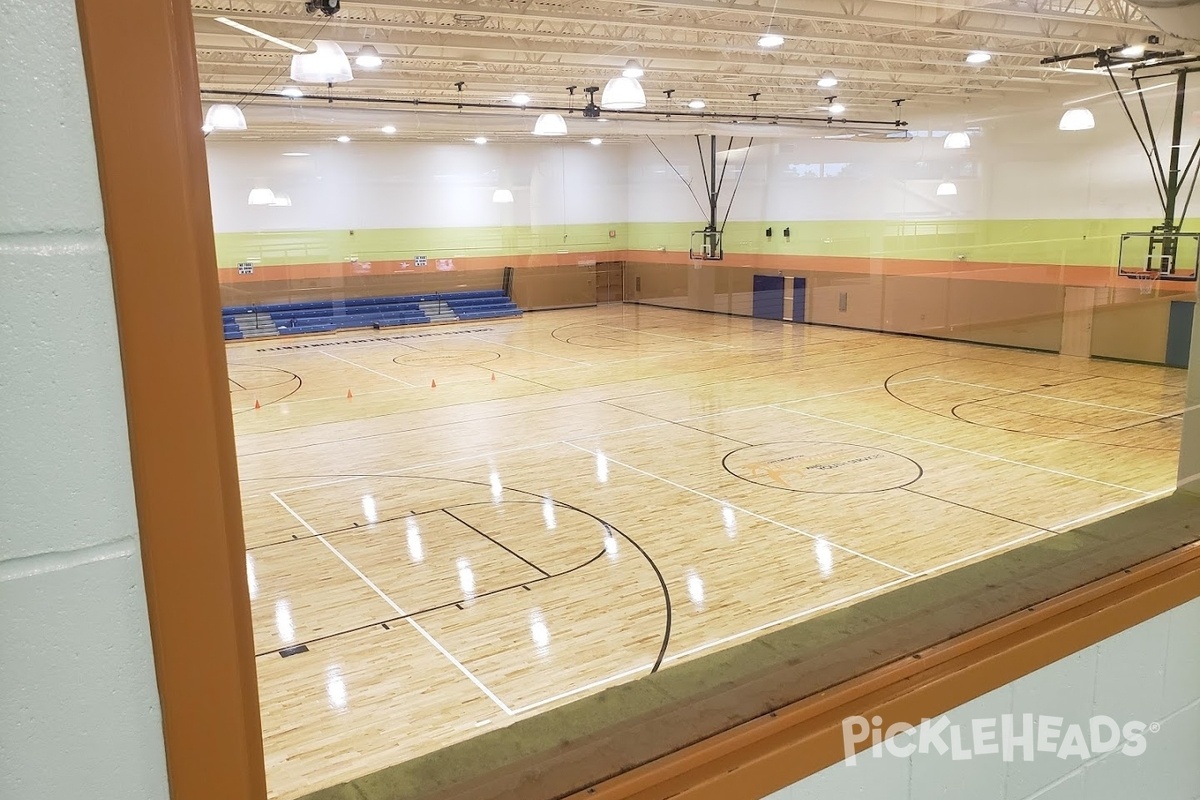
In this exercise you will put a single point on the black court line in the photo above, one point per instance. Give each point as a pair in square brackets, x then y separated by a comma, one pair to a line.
[666, 594]
[1064, 420]
[887, 385]
[527, 380]
[294, 376]
[671, 422]
[238, 385]
[506, 549]
[441, 606]
[980, 510]
[913, 461]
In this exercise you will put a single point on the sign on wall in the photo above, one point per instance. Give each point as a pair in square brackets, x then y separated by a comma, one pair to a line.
[245, 268]
[421, 261]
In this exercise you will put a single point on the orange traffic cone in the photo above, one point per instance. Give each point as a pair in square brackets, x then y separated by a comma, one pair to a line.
[349, 395]
[433, 384]
[257, 405]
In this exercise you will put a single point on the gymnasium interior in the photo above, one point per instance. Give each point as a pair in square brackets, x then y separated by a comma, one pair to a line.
[505, 398]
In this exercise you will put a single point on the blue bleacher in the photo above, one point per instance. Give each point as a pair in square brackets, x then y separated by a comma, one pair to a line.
[320, 316]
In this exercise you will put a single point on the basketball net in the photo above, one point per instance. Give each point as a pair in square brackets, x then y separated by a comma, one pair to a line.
[1145, 281]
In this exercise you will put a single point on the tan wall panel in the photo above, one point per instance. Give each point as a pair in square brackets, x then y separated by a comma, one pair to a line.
[554, 287]
[1127, 326]
[916, 304]
[1011, 314]
[1078, 304]
[863, 300]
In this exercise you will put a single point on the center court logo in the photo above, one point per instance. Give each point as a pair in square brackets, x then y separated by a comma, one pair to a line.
[1003, 736]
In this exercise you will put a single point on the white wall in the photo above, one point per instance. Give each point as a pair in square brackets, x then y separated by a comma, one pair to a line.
[361, 185]
[1149, 673]
[79, 710]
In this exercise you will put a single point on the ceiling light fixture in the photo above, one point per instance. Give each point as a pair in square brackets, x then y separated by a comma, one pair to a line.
[502, 196]
[295, 154]
[255, 32]
[697, 104]
[956, 140]
[946, 189]
[633, 69]
[260, 196]
[550, 125]
[292, 92]
[388, 129]
[206, 128]
[836, 108]
[368, 57]
[281, 201]
[1133, 51]
[770, 38]
[1077, 119]
[343, 139]
[520, 99]
[225, 117]
[327, 65]
[827, 80]
[623, 94]
[978, 57]
[595, 141]
[480, 140]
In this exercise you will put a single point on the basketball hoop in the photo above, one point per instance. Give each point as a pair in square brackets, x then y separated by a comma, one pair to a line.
[1145, 281]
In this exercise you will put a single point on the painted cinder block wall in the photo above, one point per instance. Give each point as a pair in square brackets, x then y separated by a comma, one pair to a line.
[1147, 674]
[79, 704]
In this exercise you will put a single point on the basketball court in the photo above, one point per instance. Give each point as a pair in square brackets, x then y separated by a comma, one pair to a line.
[449, 528]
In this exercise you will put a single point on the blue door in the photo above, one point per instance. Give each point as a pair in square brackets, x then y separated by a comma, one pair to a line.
[768, 297]
[1179, 332]
[798, 287]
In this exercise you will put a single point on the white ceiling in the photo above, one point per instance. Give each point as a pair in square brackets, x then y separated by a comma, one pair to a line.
[881, 50]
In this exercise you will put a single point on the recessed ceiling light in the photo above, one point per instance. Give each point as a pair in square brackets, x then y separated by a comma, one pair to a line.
[595, 140]
[633, 69]
[520, 99]
[827, 80]
[480, 140]
[388, 129]
[292, 92]
[343, 139]
[295, 155]
[368, 57]
[697, 104]
[978, 57]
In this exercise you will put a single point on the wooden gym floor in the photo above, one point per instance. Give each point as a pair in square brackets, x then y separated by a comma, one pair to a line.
[588, 496]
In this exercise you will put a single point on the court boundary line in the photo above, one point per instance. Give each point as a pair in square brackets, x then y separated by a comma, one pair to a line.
[368, 369]
[988, 456]
[535, 352]
[400, 611]
[1028, 393]
[749, 513]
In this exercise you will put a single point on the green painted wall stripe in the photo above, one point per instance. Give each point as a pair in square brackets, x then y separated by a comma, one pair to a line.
[1086, 242]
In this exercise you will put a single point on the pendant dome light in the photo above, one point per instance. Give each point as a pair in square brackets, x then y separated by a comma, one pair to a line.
[623, 94]
[550, 125]
[1077, 119]
[633, 69]
[957, 140]
[260, 196]
[224, 117]
[327, 65]
[946, 189]
[368, 57]
[502, 196]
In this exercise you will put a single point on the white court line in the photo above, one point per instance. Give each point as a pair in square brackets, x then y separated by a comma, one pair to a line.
[1052, 530]
[1051, 397]
[535, 352]
[747, 512]
[580, 689]
[798, 400]
[368, 369]
[791, 618]
[443, 462]
[988, 456]
[458, 664]
[641, 332]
